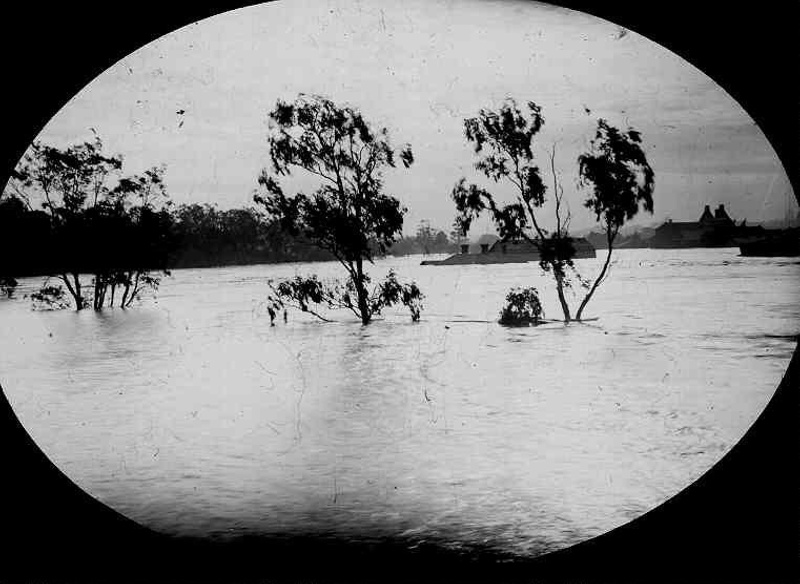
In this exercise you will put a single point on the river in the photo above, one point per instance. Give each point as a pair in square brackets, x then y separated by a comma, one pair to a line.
[191, 415]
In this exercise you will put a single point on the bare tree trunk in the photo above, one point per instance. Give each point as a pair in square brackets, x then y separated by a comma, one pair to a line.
[562, 298]
[79, 296]
[363, 307]
[597, 281]
[124, 300]
[75, 291]
[113, 291]
[97, 298]
[135, 290]
[103, 288]
[71, 290]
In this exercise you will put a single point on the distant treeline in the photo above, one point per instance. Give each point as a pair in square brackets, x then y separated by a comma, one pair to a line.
[100, 237]
[427, 240]
[187, 236]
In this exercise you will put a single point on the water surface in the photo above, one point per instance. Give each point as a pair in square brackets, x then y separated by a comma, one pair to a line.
[191, 415]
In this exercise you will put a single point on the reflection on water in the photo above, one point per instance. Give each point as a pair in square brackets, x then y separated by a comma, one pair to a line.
[192, 415]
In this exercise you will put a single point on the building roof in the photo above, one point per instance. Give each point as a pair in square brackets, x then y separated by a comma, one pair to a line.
[679, 225]
[487, 238]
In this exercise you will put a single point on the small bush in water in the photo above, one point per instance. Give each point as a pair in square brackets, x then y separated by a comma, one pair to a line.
[7, 286]
[309, 294]
[50, 298]
[522, 308]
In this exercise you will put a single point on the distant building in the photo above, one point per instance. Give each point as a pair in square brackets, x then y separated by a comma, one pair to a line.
[583, 248]
[490, 249]
[715, 229]
[487, 241]
[480, 245]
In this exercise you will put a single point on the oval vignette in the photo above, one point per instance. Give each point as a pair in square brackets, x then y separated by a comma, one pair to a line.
[512, 537]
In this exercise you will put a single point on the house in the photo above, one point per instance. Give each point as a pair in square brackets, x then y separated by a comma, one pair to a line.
[490, 249]
[715, 229]
[583, 248]
[480, 245]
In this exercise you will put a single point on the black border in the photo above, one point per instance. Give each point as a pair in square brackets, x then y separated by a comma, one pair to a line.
[739, 523]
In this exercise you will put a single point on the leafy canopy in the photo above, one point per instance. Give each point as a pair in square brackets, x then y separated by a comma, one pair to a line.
[619, 180]
[349, 211]
[348, 215]
[503, 141]
[618, 175]
[68, 179]
[114, 227]
[615, 171]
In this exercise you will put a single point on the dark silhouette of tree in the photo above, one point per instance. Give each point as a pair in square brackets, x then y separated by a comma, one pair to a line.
[503, 143]
[135, 216]
[207, 236]
[620, 179]
[66, 182]
[16, 229]
[349, 215]
[117, 233]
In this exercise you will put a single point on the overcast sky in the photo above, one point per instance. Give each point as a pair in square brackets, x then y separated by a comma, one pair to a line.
[419, 67]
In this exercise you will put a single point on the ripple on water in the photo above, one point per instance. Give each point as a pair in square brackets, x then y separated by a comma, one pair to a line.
[195, 416]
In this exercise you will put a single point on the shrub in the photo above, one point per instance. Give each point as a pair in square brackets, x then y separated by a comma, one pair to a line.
[522, 308]
[309, 294]
[50, 298]
[7, 286]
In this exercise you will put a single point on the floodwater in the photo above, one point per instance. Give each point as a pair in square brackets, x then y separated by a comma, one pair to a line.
[191, 415]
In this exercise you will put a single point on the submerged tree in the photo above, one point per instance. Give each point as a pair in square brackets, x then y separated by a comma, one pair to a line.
[348, 215]
[503, 143]
[620, 179]
[138, 210]
[116, 233]
[66, 182]
[49, 297]
[309, 294]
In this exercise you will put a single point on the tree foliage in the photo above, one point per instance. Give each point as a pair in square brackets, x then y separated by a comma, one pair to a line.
[503, 142]
[615, 171]
[620, 182]
[522, 308]
[116, 228]
[311, 295]
[618, 175]
[348, 215]
[50, 297]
